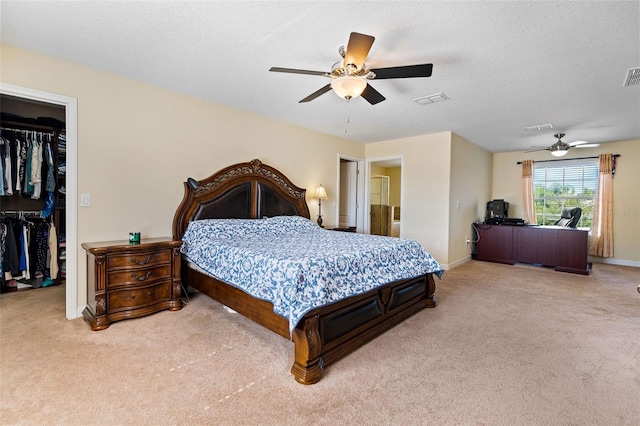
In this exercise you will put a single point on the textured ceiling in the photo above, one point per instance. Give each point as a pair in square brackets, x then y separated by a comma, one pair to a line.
[503, 65]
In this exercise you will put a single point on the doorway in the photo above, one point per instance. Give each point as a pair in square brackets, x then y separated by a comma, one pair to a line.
[351, 186]
[71, 113]
[384, 196]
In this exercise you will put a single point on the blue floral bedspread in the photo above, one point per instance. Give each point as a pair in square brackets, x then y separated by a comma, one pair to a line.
[298, 266]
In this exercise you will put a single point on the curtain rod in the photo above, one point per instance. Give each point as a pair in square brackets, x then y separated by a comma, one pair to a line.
[567, 159]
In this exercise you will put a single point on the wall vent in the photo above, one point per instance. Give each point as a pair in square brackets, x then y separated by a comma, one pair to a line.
[633, 77]
[431, 99]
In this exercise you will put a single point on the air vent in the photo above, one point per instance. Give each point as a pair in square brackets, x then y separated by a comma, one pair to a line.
[539, 127]
[633, 77]
[431, 99]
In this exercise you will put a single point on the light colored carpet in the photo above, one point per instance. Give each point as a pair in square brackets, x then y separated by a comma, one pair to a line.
[506, 345]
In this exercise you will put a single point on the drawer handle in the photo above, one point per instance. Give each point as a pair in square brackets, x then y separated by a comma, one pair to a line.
[141, 278]
[140, 262]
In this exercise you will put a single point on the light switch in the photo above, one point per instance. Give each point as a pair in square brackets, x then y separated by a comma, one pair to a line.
[85, 200]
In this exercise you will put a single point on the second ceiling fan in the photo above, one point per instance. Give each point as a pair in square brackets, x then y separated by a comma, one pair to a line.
[350, 76]
[560, 148]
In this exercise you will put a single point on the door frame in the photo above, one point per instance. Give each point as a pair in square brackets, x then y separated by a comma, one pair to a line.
[71, 206]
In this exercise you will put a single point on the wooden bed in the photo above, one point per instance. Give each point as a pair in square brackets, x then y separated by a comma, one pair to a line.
[325, 334]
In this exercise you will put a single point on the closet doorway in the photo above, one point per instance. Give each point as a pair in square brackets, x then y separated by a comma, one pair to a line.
[70, 106]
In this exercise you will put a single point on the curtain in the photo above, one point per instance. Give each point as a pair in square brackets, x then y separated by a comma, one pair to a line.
[601, 241]
[529, 214]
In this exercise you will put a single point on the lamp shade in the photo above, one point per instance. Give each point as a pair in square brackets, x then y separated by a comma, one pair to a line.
[321, 194]
[348, 87]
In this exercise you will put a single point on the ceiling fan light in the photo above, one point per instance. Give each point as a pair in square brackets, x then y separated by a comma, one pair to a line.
[348, 87]
[559, 152]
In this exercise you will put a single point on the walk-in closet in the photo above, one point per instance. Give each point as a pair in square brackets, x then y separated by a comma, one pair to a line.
[32, 194]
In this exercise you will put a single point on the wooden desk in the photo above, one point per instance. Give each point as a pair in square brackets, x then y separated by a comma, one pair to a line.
[565, 249]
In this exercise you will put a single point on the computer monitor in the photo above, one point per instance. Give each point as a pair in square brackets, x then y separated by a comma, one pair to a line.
[497, 208]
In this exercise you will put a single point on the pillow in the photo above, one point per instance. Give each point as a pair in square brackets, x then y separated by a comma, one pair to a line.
[244, 228]
[289, 224]
[222, 228]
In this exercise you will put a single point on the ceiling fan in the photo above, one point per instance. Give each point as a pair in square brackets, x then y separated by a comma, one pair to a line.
[560, 148]
[350, 76]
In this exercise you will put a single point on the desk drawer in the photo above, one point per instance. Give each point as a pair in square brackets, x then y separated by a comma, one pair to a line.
[139, 297]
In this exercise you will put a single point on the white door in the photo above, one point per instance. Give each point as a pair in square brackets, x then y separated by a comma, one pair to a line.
[348, 193]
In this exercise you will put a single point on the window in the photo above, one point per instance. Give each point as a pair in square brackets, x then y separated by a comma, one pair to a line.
[565, 184]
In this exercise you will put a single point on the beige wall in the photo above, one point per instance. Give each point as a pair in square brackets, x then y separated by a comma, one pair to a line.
[470, 189]
[425, 187]
[626, 191]
[137, 143]
[439, 171]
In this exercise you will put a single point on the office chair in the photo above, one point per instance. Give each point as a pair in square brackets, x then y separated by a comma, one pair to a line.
[570, 217]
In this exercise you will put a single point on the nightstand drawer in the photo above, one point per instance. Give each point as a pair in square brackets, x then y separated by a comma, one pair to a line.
[127, 299]
[140, 276]
[137, 260]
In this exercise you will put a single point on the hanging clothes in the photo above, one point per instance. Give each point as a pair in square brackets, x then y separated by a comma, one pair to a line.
[27, 164]
[35, 177]
[29, 250]
[53, 251]
[29, 169]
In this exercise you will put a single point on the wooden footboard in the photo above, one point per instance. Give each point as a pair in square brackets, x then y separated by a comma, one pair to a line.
[328, 333]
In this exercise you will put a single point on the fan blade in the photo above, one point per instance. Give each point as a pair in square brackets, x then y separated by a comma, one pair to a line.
[295, 71]
[577, 143]
[536, 150]
[407, 71]
[586, 145]
[317, 93]
[357, 49]
[372, 95]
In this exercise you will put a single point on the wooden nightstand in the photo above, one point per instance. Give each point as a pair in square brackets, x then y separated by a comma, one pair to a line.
[130, 281]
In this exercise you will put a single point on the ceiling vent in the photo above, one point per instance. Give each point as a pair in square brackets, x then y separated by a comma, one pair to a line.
[431, 99]
[633, 77]
[539, 127]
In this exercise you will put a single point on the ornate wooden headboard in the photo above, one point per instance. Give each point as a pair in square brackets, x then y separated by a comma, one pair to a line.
[242, 191]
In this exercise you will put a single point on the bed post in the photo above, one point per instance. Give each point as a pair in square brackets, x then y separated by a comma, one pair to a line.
[308, 365]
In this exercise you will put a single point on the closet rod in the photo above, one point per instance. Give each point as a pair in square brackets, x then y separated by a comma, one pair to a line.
[21, 212]
[44, 132]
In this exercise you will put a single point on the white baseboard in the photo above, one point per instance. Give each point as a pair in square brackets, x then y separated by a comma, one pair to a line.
[447, 266]
[614, 261]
